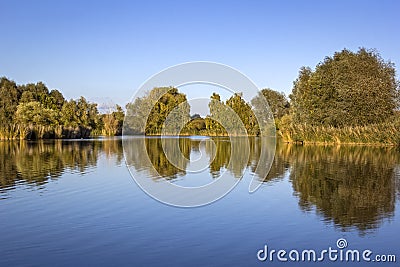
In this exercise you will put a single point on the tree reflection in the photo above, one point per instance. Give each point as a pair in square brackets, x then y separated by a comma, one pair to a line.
[397, 175]
[168, 157]
[352, 186]
[37, 162]
[148, 154]
[268, 166]
[178, 151]
[238, 153]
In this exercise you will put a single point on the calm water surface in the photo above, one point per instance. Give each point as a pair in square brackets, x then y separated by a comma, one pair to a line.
[66, 203]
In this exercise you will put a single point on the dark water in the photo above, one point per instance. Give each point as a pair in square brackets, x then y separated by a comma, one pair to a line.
[65, 203]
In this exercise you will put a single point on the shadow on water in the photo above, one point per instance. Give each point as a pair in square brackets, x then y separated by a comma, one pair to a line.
[352, 187]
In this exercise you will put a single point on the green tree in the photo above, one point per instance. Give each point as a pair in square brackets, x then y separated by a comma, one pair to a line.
[40, 93]
[32, 111]
[217, 112]
[171, 112]
[79, 118]
[26, 97]
[278, 103]
[137, 112]
[69, 117]
[163, 108]
[196, 126]
[347, 89]
[234, 117]
[37, 92]
[87, 114]
[35, 120]
[113, 122]
[57, 99]
[9, 95]
[245, 113]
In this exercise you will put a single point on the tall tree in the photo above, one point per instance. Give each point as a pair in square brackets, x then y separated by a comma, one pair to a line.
[163, 108]
[245, 113]
[9, 95]
[217, 116]
[57, 100]
[79, 118]
[35, 120]
[347, 89]
[32, 111]
[113, 122]
[38, 92]
[278, 103]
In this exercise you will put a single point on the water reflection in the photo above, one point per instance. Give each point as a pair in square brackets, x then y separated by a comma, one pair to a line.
[280, 163]
[352, 186]
[168, 158]
[349, 186]
[177, 148]
[37, 162]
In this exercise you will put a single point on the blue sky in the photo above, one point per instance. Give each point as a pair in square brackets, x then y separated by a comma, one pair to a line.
[107, 49]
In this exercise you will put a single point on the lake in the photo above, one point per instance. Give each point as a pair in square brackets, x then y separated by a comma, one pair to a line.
[74, 202]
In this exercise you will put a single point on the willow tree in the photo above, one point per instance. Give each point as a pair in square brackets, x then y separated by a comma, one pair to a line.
[347, 89]
[245, 113]
[234, 117]
[277, 102]
[213, 122]
[161, 110]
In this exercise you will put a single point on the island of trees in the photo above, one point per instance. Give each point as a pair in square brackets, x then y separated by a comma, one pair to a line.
[351, 97]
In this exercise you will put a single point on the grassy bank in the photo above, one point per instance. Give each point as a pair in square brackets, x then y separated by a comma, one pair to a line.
[387, 133]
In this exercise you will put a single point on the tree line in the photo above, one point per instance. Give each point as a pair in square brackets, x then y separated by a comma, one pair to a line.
[350, 97]
[32, 111]
[164, 110]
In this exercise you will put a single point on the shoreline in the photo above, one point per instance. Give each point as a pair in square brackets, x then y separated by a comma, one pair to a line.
[317, 143]
[279, 138]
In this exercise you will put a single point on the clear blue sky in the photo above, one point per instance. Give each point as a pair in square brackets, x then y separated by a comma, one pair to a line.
[107, 49]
